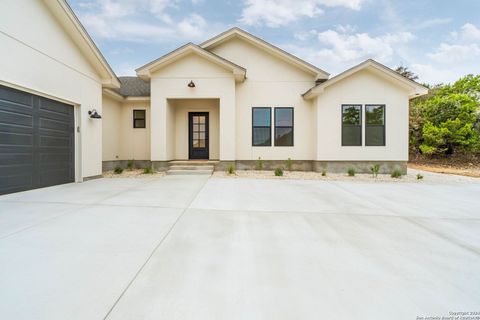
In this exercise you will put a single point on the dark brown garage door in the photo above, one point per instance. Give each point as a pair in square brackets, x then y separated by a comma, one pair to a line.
[37, 141]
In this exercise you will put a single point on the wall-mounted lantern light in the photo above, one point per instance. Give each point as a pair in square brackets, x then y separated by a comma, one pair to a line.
[191, 84]
[94, 114]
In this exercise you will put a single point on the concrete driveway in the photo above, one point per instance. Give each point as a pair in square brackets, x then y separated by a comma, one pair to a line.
[198, 248]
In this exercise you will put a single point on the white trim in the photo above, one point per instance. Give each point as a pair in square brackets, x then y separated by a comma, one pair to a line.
[145, 72]
[417, 89]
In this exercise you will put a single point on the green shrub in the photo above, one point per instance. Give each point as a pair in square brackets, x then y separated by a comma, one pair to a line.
[289, 164]
[259, 164]
[375, 170]
[130, 164]
[397, 174]
[419, 176]
[231, 169]
[351, 172]
[278, 172]
[148, 170]
[324, 173]
[118, 170]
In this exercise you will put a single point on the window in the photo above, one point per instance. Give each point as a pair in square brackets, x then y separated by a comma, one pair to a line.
[139, 118]
[351, 125]
[284, 127]
[374, 125]
[261, 127]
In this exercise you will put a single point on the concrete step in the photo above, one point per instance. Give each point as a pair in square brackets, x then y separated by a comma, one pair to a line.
[189, 172]
[192, 163]
[190, 167]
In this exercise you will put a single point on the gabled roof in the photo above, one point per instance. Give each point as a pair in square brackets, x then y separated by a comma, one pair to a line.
[416, 88]
[70, 23]
[145, 71]
[260, 43]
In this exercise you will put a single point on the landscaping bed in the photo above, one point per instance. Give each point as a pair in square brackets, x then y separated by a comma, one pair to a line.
[132, 173]
[311, 175]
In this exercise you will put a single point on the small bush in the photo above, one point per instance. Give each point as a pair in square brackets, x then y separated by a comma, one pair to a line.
[278, 172]
[148, 170]
[396, 174]
[289, 164]
[351, 172]
[231, 169]
[259, 164]
[324, 173]
[118, 170]
[419, 176]
[130, 164]
[375, 170]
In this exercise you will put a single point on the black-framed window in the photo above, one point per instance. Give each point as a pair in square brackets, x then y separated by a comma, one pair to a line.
[375, 125]
[261, 127]
[284, 126]
[351, 124]
[139, 118]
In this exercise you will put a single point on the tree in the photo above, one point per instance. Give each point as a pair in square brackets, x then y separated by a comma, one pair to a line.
[448, 118]
[406, 73]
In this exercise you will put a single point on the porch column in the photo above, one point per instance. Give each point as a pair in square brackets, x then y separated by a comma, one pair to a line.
[227, 126]
[158, 128]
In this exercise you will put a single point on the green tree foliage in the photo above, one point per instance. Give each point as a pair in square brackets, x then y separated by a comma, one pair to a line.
[406, 73]
[447, 120]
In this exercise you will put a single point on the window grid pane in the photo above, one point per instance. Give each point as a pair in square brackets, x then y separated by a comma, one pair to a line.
[351, 125]
[374, 125]
[139, 118]
[261, 127]
[284, 127]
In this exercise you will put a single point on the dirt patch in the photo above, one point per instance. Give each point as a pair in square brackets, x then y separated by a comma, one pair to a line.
[134, 173]
[464, 165]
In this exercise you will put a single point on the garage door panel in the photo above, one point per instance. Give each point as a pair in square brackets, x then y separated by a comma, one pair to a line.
[12, 119]
[16, 139]
[15, 183]
[59, 126]
[9, 159]
[36, 141]
[16, 96]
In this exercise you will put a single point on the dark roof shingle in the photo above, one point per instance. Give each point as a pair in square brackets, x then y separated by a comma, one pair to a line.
[133, 86]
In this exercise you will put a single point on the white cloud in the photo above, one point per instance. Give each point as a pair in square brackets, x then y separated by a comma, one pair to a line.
[275, 13]
[432, 23]
[353, 48]
[141, 21]
[464, 45]
[456, 57]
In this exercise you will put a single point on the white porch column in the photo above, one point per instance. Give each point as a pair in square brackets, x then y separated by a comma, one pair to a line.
[227, 124]
[158, 125]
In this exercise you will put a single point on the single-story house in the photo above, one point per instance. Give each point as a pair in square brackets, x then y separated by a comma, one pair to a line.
[235, 98]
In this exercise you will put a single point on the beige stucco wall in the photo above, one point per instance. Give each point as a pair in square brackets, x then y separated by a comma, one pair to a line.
[170, 82]
[40, 57]
[363, 88]
[181, 108]
[120, 140]
[135, 142]
[111, 129]
[271, 82]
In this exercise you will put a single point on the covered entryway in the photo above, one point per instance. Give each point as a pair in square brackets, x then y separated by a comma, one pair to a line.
[194, 129]
[37, 141]
[198, 135]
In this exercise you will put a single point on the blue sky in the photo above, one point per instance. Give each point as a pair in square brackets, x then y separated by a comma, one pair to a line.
[437, 39]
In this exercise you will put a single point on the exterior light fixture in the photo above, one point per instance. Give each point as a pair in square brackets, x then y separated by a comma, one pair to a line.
[94, 114]
[191, 84]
